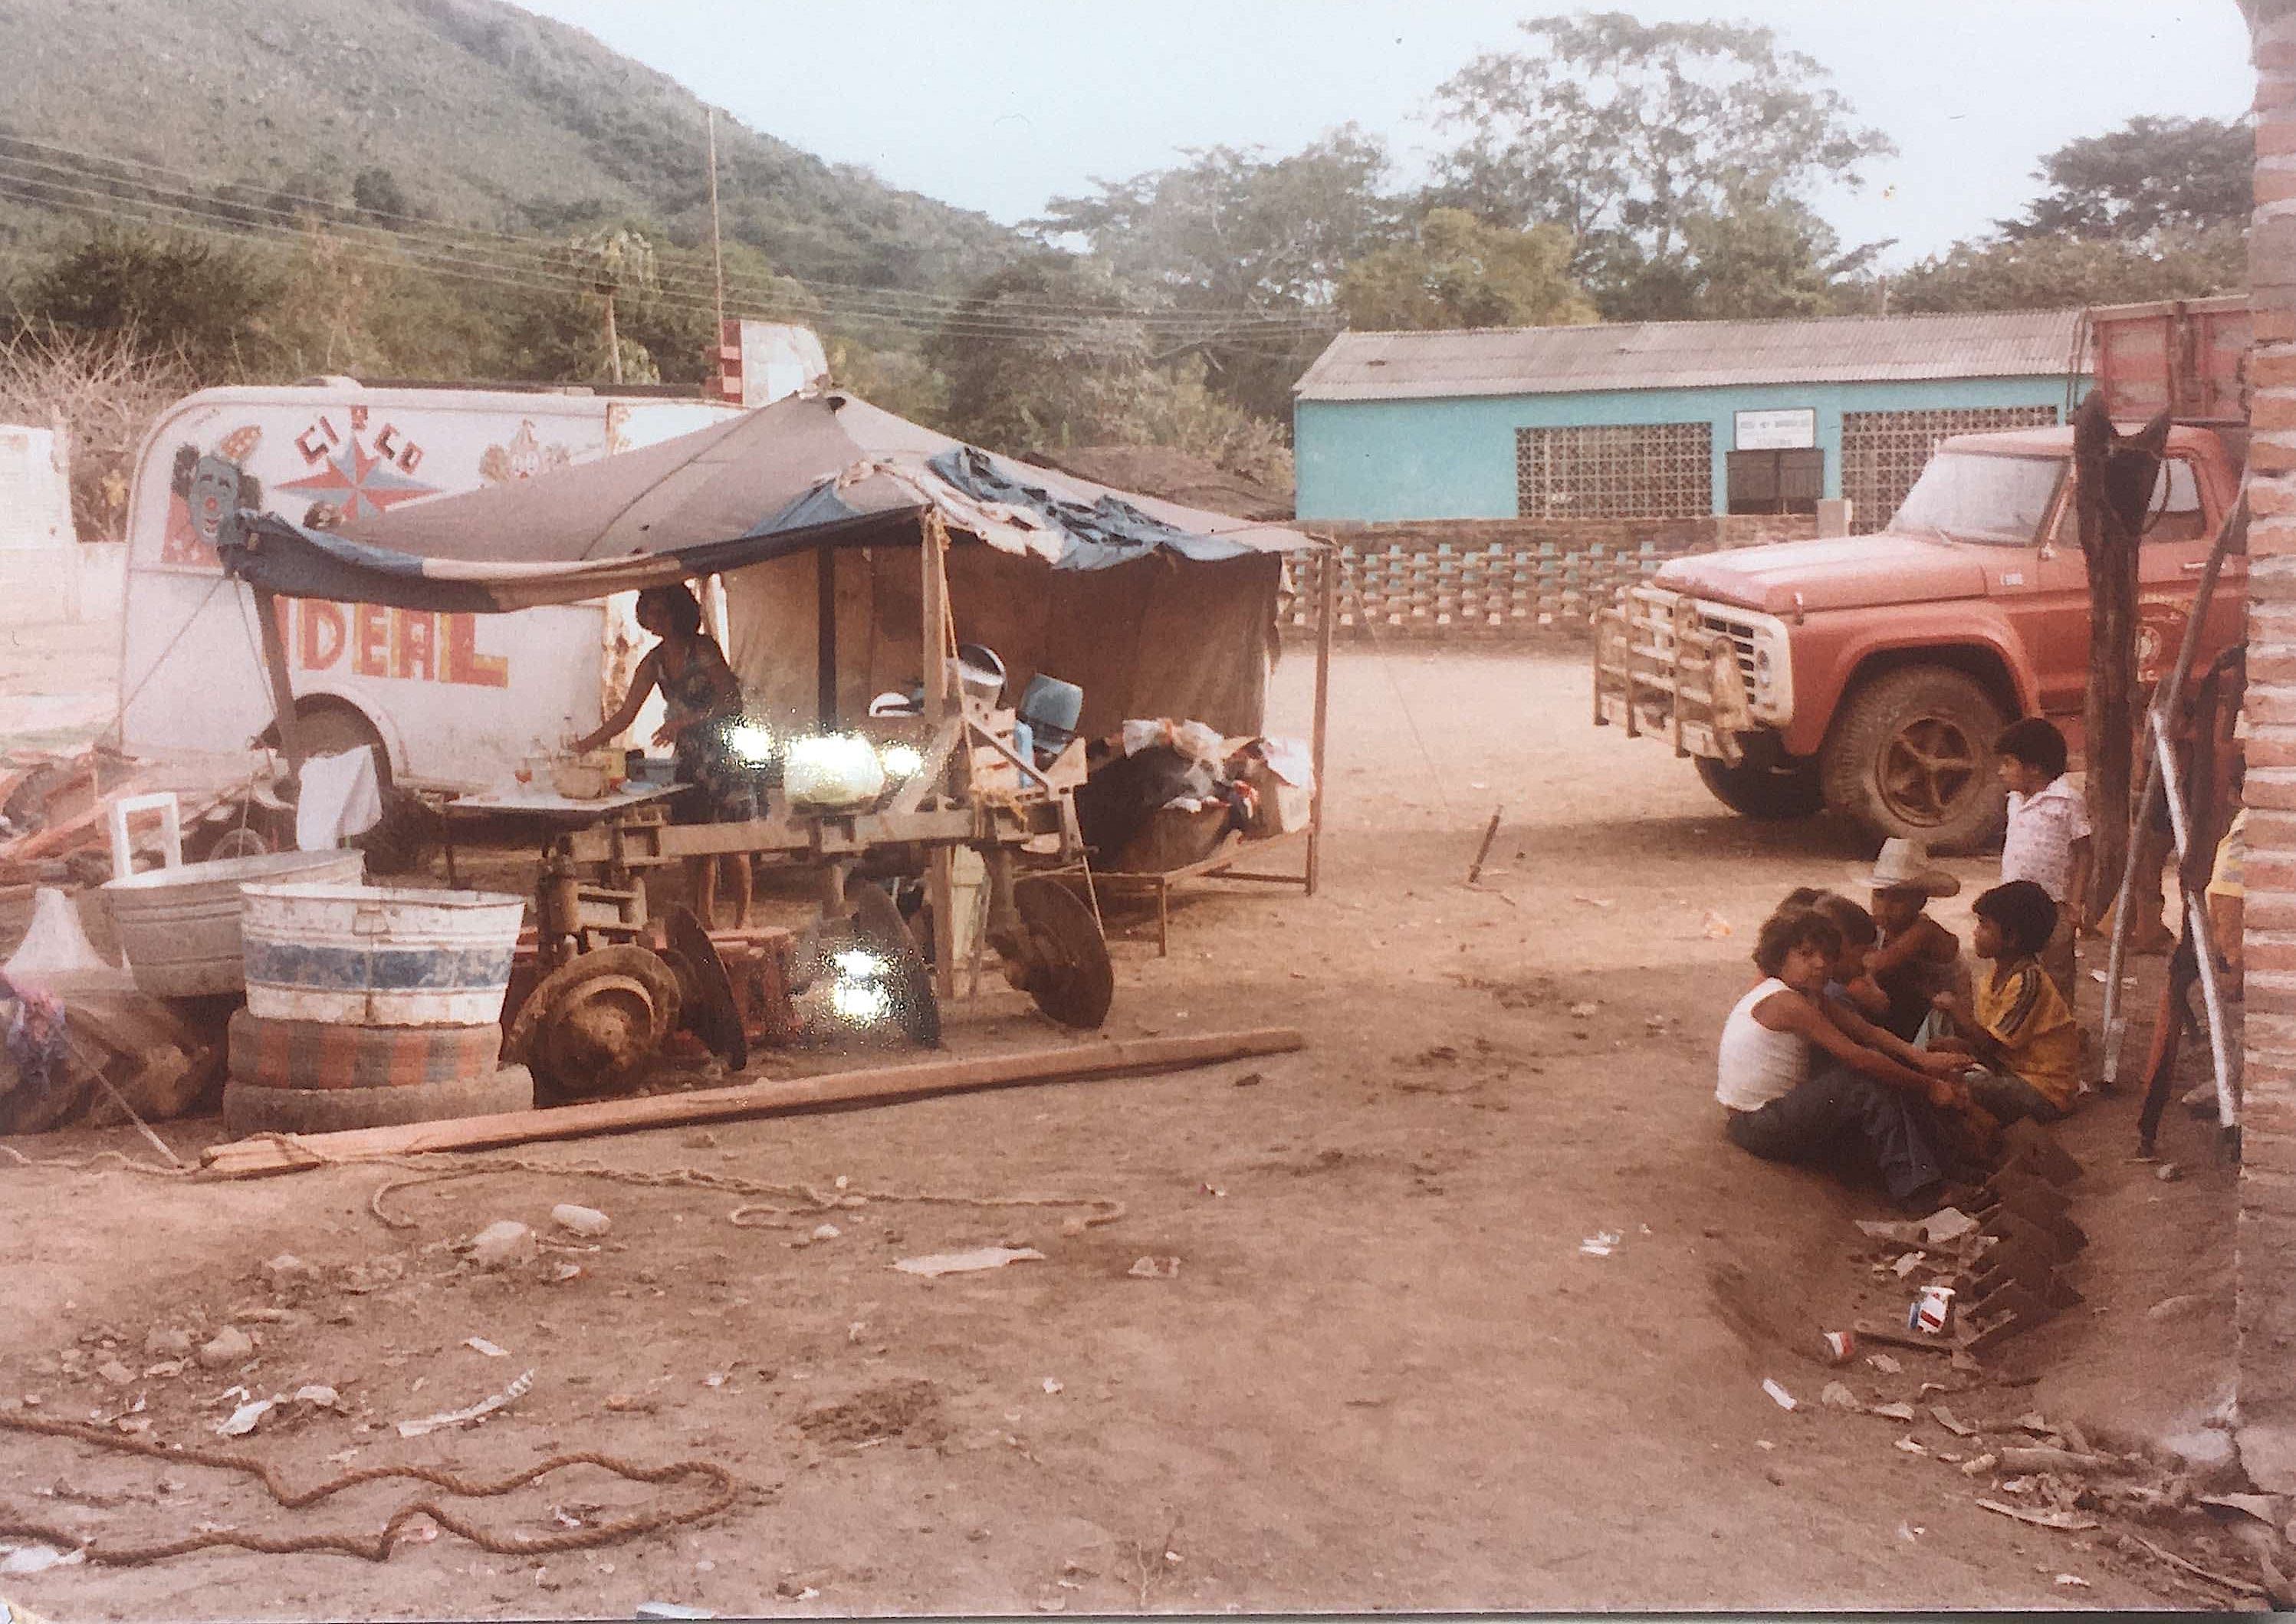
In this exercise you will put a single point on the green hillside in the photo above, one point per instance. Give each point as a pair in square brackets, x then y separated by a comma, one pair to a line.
[483, 114]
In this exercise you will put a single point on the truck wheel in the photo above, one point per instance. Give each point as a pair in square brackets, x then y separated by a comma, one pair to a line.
[1766, 794]
[1911, 757]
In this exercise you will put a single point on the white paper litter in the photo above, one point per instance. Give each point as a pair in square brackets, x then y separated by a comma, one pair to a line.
[968, 1262]
[246, 1418]
[37, 1559]
[482, 1345]
[1947, 1224]
[479, 1411]
[1599, 1244]
[1784, 1399]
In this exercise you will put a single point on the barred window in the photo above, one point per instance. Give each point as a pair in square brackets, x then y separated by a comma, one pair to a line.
[1615, 470]
[1883, 453]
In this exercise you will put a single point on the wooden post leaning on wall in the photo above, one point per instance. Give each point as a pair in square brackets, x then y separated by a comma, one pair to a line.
[2113, 481]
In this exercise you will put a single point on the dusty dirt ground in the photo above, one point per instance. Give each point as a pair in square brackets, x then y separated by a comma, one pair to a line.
[1385, 1376]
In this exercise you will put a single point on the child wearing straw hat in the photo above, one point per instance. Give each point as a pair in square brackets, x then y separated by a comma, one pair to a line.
[1916, 958]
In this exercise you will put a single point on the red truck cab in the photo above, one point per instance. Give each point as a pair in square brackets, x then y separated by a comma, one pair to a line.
[1868, 675]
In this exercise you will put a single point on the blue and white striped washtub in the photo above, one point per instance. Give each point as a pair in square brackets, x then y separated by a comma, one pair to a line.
[371, 956]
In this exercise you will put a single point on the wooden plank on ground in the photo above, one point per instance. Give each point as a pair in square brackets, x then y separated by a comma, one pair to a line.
[875, 1086]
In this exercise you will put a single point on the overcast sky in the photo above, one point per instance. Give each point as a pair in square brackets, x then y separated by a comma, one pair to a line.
[999, 104]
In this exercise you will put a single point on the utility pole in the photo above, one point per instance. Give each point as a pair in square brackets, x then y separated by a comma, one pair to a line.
[717, 242]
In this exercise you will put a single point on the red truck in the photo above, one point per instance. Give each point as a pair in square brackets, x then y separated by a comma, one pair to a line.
[1868, 675]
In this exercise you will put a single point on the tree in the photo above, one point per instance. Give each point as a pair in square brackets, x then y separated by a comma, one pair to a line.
[1236, 230]
[1762, 259]
[2149, 180]
[618, 264]
[1624, 132]
[2058, 273]
[1458, 272]
[173, 296]
[375, 193]
[103, 391]
[1255, 246]
[1041, 353]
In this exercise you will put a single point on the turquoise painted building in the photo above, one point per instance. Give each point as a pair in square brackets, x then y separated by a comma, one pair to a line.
[1672, 419]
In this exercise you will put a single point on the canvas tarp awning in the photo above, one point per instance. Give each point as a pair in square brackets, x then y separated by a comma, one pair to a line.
[1151, 608]
[805, 472]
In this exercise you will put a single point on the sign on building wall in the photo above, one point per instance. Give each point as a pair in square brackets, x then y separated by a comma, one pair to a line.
[1778, 429]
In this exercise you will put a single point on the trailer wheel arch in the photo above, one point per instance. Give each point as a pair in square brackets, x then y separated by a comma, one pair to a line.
[334, 723]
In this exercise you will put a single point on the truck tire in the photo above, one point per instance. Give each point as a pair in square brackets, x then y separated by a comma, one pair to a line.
[249, 1108]
[1911, 757]
[1766, 794]
[321, 1055]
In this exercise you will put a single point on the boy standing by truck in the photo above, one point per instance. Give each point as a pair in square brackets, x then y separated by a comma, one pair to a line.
[2047, 840]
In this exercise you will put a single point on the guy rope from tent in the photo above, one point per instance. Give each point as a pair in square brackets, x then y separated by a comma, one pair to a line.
[723, 1489]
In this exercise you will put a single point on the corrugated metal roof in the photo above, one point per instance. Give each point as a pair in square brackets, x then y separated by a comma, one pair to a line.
[1690, 354]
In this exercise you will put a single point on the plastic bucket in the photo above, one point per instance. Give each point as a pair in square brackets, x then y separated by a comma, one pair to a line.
[179, 927]
[364, 955]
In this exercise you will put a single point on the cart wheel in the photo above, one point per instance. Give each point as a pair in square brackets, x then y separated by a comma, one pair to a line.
[1063, 957]
[705, 991]
[589, 1027]
[877, 923]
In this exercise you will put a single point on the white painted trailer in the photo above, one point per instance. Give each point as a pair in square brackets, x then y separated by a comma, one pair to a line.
[454, 700]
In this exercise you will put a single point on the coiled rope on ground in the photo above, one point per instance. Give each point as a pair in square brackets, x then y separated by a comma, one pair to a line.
[722, 1490]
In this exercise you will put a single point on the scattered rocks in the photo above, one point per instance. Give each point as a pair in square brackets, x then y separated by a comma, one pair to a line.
[1837, 1395]
[503, 1244]
[168, 1344]
[287, 1273]
[826, 1232]
[2177, 1306]
[2207, 1453]
[115, 1373]
[228, 1347]
[587, 1222]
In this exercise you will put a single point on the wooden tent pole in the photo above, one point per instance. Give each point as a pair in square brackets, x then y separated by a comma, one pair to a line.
[282, 692]
[932, 638]
[824, 657]
[1327, 596]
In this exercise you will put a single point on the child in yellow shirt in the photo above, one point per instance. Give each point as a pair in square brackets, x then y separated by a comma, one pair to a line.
[2015, 1021]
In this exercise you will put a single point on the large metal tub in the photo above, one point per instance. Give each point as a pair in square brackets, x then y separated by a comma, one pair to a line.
[179, 927]
[372, 955]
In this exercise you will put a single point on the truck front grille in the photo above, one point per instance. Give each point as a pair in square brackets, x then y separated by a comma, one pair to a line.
[1742, 638]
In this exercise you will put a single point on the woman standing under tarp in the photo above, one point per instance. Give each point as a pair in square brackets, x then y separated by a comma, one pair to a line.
[700, 695]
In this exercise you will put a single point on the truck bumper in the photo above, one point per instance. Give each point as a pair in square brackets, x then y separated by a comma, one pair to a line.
[1660, 670]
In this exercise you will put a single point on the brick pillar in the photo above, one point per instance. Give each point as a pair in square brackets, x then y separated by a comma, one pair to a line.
[2266, 1232]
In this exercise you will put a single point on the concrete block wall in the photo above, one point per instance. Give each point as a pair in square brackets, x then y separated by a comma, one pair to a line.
[2266, 1237]
[1481, 580]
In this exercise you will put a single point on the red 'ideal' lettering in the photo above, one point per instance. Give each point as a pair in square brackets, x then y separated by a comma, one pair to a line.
[321, 643]
[465, 663]
[414, 643]
[370, 641]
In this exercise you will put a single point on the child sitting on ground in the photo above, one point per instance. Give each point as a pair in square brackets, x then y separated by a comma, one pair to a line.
[2047, 839]
[1782, 1108]
[2015, 1022]
[1916, 958]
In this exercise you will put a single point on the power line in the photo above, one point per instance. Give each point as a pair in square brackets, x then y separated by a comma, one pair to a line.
[506, 251]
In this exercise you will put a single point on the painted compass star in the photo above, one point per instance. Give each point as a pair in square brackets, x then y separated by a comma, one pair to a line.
[360, 484]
